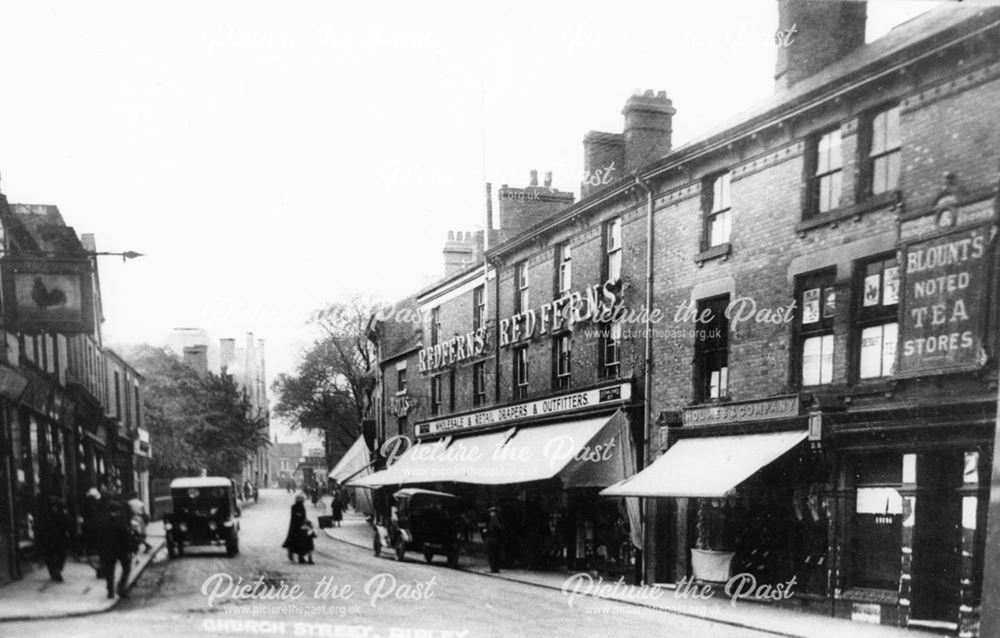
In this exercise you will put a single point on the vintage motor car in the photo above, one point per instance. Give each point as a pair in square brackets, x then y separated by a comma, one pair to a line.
[424, 521]
[204, 513]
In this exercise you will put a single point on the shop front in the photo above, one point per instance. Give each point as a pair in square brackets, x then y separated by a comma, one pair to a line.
[542, 464]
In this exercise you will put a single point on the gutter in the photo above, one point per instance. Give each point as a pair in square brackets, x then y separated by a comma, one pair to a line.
[647, 373]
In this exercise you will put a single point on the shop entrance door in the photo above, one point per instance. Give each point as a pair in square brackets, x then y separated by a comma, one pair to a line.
[937, 558]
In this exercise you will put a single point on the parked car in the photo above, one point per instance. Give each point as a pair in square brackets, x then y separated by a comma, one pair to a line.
[204, 513]
[424, 521]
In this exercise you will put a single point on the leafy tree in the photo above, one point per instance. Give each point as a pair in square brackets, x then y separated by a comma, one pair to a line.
[195, 422]
[330, 390]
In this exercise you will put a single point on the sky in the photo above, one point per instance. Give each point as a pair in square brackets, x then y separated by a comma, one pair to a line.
[269, 157]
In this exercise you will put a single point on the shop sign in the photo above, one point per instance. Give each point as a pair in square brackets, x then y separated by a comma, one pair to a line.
[401, 405]
[560, 404]
[100, 436]
[453, 350]
[762, 410]
[49, 297]
[597, 303]
[943, 303]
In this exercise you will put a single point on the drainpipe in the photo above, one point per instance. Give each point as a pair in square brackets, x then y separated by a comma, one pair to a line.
[647, 373]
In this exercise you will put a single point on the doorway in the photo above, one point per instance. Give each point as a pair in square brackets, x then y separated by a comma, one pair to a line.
[937, 541]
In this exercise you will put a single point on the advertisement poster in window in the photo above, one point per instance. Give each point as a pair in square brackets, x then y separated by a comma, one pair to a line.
[944, 308]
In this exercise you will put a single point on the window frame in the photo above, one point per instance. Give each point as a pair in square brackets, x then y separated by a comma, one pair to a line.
[613, 253]
[479, 384]
[435, 325]
[873, 315]
[436, 394]
[521, 372]
[562, 361]
[870, 156]
[564, 269]
[816, 174]
[702, 352]
[479, 307]
[610, 355]
[401, 380]
[522, 287]
[824, 326]
[712, 209]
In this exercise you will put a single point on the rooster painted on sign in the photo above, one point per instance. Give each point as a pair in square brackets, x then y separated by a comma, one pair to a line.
[45, 297]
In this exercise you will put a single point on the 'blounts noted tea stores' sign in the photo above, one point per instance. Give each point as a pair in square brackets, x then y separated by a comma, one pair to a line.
[944, 302]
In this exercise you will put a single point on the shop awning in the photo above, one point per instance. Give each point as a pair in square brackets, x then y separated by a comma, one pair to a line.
[707, 466]
[585, 453]
[353, 463]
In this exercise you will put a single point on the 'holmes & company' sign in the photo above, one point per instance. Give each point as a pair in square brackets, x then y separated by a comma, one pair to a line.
[944, 290]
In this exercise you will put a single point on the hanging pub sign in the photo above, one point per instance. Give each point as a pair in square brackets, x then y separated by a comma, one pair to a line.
[47, 296]
[944, 303]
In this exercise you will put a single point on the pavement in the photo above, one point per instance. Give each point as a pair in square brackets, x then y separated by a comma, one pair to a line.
[781, 621]
[36, 597]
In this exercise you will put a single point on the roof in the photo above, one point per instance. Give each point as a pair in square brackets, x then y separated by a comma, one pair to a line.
[922, 35]
[200, 481]
[45, 229]
[399, 337]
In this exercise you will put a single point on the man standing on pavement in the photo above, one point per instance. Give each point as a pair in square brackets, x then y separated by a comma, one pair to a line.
[493, 535]
[115, 544]
[54, 533]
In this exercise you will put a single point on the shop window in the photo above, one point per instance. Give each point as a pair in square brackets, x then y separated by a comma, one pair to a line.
[611, 337]
[479, 384]
[478, 307]
[520, 373]
[712, 350]
[817, 307]
[521, 287]
[435, 325]
[436, 394]
[884, 156]
[877, 326]
[718, 220]
[564, 269]
[562, 349]
[826, 173]
[613, 249]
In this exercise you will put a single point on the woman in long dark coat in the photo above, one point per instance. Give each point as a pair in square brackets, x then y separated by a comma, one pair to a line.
[295, 525]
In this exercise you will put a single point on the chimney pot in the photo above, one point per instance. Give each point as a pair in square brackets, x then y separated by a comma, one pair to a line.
[548, 179]
[534, 178]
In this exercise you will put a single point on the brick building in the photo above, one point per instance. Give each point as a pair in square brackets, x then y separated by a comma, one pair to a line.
[800, 338]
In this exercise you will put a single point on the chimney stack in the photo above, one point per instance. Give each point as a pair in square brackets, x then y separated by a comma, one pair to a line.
[197, 358]
[227, 353]
[603, 160]
[548, 179]
[533, 177]
[522, 208]
[648, 127]
[813, 34]
[462, 249]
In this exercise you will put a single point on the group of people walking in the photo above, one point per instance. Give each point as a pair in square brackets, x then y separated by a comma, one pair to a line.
[113, 529]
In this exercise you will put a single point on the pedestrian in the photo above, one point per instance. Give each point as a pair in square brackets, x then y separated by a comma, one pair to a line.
[493, 535]
[54, 533]
[298, 517]
[89, 514]
[139, 520]
[336, 510]
[115, 544]
[304, 544]
[314, 493]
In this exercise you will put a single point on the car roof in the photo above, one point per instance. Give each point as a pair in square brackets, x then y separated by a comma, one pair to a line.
[413, 491]
[200, 481]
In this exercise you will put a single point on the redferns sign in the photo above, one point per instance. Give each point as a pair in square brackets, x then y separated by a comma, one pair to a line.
[453, 350]
[944, 303]
[597, 303]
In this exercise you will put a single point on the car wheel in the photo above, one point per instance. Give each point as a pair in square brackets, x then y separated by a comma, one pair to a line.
[377, 545]
[400, 548]
[233, 545]
[428, 556]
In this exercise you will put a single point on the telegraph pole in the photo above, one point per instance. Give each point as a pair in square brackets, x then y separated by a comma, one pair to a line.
[990, 620]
